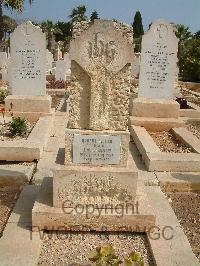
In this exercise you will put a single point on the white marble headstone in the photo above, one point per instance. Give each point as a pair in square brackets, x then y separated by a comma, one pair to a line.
[28, 60]
[49, 60]
[158, 69]
[67, 60]
[61, 70]
[135, 66]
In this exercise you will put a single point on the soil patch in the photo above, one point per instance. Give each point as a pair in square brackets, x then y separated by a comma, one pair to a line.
[73, 248]
[8, 198]
[167, 142]
[187, 209]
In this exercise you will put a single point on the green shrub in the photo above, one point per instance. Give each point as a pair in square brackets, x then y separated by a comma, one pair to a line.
[3, 95]
[105, 255]
[18, 126]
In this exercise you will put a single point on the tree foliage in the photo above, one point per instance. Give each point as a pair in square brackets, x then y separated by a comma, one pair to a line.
[78, 14]
[17, 5]
[188, 54]
[138, 31]
[94, 15]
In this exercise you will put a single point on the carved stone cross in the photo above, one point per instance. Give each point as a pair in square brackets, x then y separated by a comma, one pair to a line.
[102, 52]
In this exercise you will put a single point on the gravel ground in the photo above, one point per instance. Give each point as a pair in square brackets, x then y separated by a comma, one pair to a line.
[73, 248]
[187, 209]
[196, 101]
[194, 128]
[8, 198]
[167, 142]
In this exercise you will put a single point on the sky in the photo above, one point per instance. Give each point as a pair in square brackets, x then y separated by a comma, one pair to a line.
[185, 12]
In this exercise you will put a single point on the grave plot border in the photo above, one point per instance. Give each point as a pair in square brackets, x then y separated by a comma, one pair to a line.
[158, 161]
[32, 148]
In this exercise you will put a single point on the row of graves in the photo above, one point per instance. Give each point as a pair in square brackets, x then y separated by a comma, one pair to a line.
[105, 130]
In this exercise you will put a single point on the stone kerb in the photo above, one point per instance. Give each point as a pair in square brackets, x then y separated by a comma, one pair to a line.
[30, 149]
[155, 160]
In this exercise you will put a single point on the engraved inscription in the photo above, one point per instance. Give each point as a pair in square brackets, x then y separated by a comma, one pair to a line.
[96, 149]
[27, 67]
[100, 48]
[158, 60]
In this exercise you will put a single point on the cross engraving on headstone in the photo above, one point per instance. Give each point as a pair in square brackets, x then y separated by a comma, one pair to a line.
[102, 52]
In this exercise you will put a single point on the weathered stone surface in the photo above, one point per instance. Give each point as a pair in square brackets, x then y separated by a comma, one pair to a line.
[122, 216]
[157, 108]
[158, 70]
[188, 138]
[156, 124]
[28, 60]
[99, 188]
[20, 103]
[124, 137]
[99, 96]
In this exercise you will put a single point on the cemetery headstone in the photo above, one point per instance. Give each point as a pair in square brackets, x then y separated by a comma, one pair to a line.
[49, 61]
[135, 66]
[28, 72]
[155, 106]
[158, 69]
[61, 70]
[99, 97]
[28, 60]
[97, 172]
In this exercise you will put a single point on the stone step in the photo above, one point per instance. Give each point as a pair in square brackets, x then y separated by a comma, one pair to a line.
[158, 124]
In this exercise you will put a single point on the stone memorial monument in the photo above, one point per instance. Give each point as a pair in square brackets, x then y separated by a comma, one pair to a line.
[49, 61]
[61, 70]
[135, 66]
[158, 72]
[28, 73]
[57, 53]
[99, 172]
[68, 65]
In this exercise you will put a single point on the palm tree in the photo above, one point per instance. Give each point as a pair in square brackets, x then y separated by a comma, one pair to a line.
[78, 14]
[48, 29]
[17, 5]
[182, 33]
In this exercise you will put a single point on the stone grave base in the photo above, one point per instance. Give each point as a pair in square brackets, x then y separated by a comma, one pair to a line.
[157, 108]
[155, 114]
[86, 218]
[29, 107]
[93, 198]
